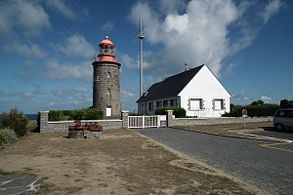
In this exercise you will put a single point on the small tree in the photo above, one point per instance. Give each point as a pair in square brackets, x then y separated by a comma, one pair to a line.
[15, 120]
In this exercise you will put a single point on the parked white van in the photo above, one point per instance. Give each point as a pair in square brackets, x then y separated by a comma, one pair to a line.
[283, 119]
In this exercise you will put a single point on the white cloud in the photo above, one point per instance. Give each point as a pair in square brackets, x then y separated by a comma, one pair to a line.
[26, 50]
[230, 69]
[271, 8]
[128, 61]
[173, 6]
[76, 46]
[195, 37]
[195, 33]
[266, 99]
[241, 97]
[62, 8]
[108, 27]
[177, 23]
[80, 91]
[24, 17]
[126, 94]
[82, 72]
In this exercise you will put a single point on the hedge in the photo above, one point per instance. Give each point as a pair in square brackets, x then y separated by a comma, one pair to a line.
[253, 110]
[81, 114]
[178, 112]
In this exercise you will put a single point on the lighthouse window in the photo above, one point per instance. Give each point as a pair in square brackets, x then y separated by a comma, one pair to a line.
[106, 49]
[98, 78]
[108, 92]
[108, 75]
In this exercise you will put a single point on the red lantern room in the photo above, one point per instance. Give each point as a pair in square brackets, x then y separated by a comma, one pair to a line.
[107, 52]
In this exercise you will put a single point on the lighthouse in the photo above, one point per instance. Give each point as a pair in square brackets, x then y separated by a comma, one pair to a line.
[106, 80]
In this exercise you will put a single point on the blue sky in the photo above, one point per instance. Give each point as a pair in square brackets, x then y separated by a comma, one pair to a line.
[46, 48]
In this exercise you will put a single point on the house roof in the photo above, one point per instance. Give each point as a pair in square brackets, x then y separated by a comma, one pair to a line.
[169, 87]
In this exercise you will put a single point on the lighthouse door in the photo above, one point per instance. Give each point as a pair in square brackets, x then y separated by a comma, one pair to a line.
[108, 111]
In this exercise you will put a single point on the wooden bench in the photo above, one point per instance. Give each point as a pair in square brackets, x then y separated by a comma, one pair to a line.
[88, 126]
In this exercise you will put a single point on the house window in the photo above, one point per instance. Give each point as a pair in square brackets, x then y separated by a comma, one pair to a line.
[173, 102]
[165, 103]
[151, 106]
[219, 104]
[158, 104]
[195, 104]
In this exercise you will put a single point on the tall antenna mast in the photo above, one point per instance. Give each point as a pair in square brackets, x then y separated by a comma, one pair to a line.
[140, 37]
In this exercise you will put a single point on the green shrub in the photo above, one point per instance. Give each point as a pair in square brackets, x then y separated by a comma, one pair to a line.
[81, 114]
[15, 120]
[253, 109]
[92, 114]
[54, 115]
[178, 112]
[6, 135]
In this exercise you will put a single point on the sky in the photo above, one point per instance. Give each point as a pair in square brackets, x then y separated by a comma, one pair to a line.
[47, 46]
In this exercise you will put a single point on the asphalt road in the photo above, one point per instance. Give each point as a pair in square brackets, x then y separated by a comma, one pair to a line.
[278, 134]
[265, 165]
[19, 184]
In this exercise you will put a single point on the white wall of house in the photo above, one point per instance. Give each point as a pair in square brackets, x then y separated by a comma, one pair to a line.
[205, 96]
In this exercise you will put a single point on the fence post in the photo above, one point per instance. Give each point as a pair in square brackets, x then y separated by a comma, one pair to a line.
[125, 119]
[158, 121]
[143, 121]
[43, 117]
[169, 118]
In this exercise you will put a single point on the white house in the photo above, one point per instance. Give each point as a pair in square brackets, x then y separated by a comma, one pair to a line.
[197, 90]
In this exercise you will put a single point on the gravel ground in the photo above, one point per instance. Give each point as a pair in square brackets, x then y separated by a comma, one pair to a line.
[122, 162]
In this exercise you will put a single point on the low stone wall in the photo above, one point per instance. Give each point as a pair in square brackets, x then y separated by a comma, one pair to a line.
[62, 126]
[212, 121]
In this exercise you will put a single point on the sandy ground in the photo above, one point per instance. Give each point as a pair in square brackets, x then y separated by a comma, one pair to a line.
[122, 162]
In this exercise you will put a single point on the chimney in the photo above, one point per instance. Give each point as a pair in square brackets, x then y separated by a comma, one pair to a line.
[186, 67]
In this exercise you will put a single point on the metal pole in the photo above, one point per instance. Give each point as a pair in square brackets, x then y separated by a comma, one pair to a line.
[140, 36]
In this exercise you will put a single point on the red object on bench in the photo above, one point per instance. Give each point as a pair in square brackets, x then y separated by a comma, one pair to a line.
[95, 126]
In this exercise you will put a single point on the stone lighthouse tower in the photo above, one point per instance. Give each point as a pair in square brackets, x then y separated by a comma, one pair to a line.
[106, 81]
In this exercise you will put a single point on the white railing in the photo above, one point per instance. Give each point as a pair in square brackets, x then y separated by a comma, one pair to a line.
[141, 122]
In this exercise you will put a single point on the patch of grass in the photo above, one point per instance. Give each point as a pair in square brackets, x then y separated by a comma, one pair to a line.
[28, 168]
[6, 135]
[4, 172]
[44, 188]
[32, 125]
[71, 190]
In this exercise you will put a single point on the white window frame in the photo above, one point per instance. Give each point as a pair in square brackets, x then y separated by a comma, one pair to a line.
[151, 106]
[200, 107]
[222, 104]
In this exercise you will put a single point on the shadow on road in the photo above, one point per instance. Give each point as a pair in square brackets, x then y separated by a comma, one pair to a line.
[273, 129]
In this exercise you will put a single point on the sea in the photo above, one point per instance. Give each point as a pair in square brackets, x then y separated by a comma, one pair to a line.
[32, 116]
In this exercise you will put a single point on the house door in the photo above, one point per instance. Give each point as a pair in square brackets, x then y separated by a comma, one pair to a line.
[108, 111]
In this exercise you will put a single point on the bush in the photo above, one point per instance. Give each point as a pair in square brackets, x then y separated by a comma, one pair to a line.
[6, 135]
[178, 112]
[253, 110]
[81, 114]
[14, 120]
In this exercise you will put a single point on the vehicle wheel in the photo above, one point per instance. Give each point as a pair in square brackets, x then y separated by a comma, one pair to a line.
[279, 127]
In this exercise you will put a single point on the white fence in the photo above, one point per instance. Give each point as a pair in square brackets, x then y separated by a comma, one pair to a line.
[140, 122]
